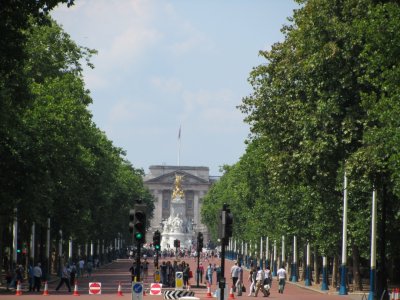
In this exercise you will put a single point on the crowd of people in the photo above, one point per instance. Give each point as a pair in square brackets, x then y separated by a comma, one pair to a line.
[260, 280]
[35, 275]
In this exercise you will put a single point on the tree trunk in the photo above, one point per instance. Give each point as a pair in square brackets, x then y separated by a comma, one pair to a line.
[316, 266]
[335, 272]
[357, 282]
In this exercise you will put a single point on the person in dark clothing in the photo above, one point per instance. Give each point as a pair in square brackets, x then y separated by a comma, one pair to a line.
[64, 279]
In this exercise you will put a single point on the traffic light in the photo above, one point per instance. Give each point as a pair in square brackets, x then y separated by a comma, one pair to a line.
[140, 223]
[199, 242]
[157, 240]
[131, 219]
[225, 224]
[228, 223]
[177, 243]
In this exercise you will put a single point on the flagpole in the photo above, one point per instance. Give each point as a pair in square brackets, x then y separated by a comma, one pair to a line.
[179, 146]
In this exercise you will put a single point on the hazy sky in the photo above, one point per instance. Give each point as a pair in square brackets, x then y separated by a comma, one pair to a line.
[163, 64]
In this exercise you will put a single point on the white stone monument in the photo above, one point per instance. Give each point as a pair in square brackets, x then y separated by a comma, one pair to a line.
[177, 226]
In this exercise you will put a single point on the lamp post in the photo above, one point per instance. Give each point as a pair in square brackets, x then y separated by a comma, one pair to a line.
[343, 271]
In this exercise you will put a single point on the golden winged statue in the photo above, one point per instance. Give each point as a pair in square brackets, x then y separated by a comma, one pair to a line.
[178, 192]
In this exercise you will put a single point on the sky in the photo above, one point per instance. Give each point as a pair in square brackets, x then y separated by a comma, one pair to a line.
[165, 66]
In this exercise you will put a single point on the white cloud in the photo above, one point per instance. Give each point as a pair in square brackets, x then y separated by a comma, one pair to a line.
[189, 38]
[169, 85]
[212, 110]
[127, 111]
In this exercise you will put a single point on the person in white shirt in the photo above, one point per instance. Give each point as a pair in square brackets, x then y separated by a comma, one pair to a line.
[239, 282]
[281, 274]
[37, 277]
[260, 282]
[234, 275]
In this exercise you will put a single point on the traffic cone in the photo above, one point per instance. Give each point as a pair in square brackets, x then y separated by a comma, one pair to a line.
[76, 293]
[231, 295]
[144, 291]
[119, 293]
[46, 289]
[208, 291]
[396, 294]
[19, 291]
[392, 295]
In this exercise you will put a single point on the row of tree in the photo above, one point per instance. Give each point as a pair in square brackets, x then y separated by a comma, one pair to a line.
[326, 102]
[55, 162]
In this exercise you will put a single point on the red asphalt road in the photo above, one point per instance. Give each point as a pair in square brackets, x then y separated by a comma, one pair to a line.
[118, 272]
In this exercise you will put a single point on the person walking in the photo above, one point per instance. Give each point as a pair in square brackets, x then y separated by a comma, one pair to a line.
[234, 275]
[252, 280]
[37, 277]
[72, 274]
[260, 282]
[81, 269]
[64, 279]
[200, 272]
[209, 274]
[281, 274]
[30, 277]
[239, 282]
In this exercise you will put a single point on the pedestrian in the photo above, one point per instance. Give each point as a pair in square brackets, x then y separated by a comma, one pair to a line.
[89, 269]
[209, 274]
[252, 279]
[239, 282]
[64, 279]
[281, 274]
[19, 277]
[30, 277]
[72, 275]
[163, 269]
[218, 273]
[201, 272]
[234, 275]
[260, 282]
[37, 277]
[81, 264]
[267, 280]
[132, 269]
[185, 275]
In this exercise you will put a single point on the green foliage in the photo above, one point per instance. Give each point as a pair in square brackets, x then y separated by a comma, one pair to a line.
[59, 164]
[325, 101]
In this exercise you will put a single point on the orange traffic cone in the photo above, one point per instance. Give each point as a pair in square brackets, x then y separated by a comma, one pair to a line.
[76, 293]
[46, 289]
[208, 291]
[119, 293]
[19, 290]
[231, 295]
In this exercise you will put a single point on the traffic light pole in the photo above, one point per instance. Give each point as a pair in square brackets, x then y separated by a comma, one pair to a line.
[198, 268]
[138, 246]
[222, 281]
[156, 266]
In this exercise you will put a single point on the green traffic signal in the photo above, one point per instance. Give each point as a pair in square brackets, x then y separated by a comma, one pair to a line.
[157, 247]
[138, 235]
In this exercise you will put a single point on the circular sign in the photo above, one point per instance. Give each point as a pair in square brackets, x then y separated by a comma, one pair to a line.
[179, 275]
[155, 289]
[94, 288]
[137, 288]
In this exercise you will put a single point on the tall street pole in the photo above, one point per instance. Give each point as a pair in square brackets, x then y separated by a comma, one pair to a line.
[372, 280]
[343, 276]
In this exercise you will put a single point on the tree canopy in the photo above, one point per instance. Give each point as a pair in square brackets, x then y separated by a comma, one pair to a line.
[326, 101]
